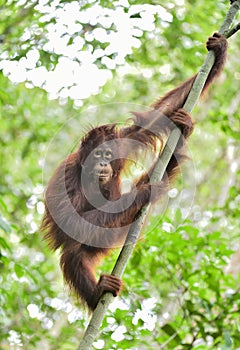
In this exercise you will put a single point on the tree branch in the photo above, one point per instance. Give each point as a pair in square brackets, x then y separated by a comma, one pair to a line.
[233, 30]
[125, 254]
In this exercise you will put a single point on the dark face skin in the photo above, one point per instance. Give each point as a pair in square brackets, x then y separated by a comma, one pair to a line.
[102, 169]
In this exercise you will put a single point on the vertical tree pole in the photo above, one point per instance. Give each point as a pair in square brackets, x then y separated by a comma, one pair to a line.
[135, 229]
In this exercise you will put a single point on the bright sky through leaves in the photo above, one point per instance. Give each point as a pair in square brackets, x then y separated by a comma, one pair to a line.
[76, 75]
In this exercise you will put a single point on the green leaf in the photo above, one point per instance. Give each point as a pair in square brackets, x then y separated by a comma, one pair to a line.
[4, 244]
[170, 330]
[4, 225]
[19, 270]
[3, 205]
[228, 340]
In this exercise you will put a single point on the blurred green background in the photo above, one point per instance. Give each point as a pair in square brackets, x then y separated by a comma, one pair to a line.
[66, 65]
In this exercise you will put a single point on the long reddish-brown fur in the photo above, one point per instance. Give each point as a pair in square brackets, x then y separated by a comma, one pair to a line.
[85, 232]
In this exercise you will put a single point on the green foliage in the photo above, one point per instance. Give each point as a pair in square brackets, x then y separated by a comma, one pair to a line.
[178, 293]
[195, 301]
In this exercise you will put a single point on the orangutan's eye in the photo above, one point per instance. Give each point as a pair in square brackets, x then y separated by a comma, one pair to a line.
[108, 154]
[97, 153]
